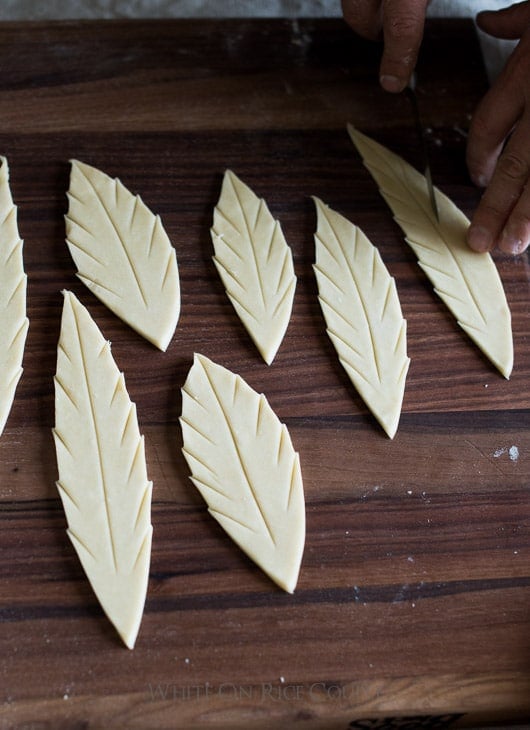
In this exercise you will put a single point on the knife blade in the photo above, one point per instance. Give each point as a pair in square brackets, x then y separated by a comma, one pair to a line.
[411, 93]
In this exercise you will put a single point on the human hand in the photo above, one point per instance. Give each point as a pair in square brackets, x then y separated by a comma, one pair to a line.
[400, 22]
[502, 217]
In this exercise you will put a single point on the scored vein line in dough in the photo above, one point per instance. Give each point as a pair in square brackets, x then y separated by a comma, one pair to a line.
[67, 392]
[259, 415]
[205, 484]
[200, 461]
[341, 316]
[134, 208]
[193, 427]
[84, 250]
[230, 222]
[98, 285]
[347, 360]
[127, 422]
[82, 543]
[24, 325]
[154, 226]
[243, 307]
[62, 441]
[270, 248]
[281, 442]
[232, 519]
[292, 481]
[61, 486]
[117, 388]
[140, 551]
[9, 214]
[16, 244]
[283, 275]
[82, 226]
[168, 268]
[135, 459]
[388, 297]
[282, 299]
[16, 286]
[141, 508]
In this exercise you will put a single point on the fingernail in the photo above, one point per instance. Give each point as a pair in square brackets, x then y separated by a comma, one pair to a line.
[391, 83]
[511, 244]
[479, 238]
[480, 179]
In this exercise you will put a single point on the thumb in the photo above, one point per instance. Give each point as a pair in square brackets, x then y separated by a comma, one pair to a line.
[508, 23]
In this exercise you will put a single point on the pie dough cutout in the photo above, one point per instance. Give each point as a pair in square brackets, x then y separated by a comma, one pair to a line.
[102, 473]
[123, 253]
[361, 307]
[244, 465]
[255, 264]
[13, 282]
[467, 282]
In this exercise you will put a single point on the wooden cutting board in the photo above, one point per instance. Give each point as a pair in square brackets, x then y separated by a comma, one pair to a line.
[414, 593]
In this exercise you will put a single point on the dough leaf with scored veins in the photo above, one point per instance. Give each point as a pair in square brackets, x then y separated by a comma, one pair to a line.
[123, 253]
[255, 264]
[102, 472]
[13, 282]
[361, 307]
[243, 463]
[467, 282]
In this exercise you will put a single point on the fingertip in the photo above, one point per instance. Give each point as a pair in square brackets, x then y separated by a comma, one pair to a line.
[483, 17]
[512, 244]
[480, 164]
[479, 238]
[391, 83]
[480, 178]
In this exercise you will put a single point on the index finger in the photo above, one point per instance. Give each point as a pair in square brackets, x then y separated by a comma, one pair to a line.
[363, 16]
[403, 23]
[502, 217]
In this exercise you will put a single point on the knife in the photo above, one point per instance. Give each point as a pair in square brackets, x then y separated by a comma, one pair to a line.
[411, 93]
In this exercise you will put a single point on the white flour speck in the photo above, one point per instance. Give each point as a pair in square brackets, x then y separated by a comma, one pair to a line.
[513, 452]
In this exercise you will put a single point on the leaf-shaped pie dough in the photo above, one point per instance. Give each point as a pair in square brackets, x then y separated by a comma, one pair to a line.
[122, 253]
[467, 282]
[102, 473]
[13, 320]
[243, 463]
[255, 264]
[360, 304]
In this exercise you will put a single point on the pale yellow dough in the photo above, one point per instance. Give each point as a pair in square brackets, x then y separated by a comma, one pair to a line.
[13, 320]
[102, 472]
[123, 253]
[361, 307]
[467, 282]
[244, 465]
[255, 264]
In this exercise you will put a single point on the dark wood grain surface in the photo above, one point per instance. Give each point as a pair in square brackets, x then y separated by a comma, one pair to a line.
[414, 592]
